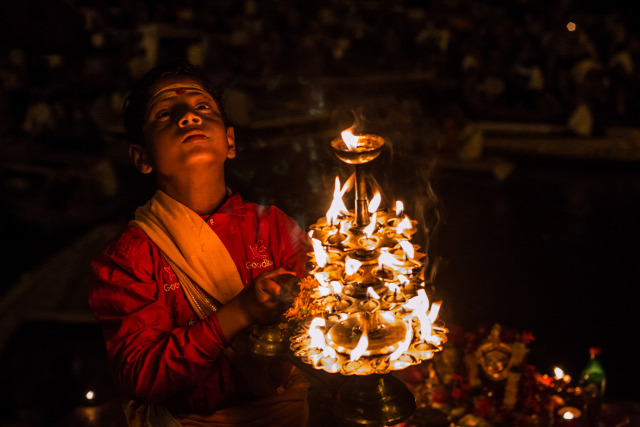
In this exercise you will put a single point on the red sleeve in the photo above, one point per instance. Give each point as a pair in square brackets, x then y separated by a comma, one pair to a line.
[292, 245]
[154, 359]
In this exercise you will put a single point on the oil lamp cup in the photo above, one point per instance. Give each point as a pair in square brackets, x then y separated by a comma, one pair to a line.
[385, 274]
[270, 342]
[334, 269]
[381, 365]
[329, 363]
[367, 148]
[368, 243]
[404, 361]
[369, 306]
[569, 416]
[335, 303]
[395, 298]
[353, 280]
[336, 238]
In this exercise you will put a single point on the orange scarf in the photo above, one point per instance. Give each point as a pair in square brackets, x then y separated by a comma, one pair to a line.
[193, 250]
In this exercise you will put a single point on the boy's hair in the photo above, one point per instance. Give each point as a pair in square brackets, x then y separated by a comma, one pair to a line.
[136, 103]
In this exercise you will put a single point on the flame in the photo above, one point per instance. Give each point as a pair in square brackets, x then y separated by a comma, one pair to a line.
[399, 209]
[323, 279]
[329, 352]
[369, 229]
[372, 293]
[403, 225]
[344, 227]
[359, 350]
[419, 306]
[351, 266]
[568, 415]
[337, 205]
[330, 355]
[374, 204]
[321, 256]
[558, 373]
[404, 345]
[387, 315]
[434, 310]
[317, 336]
[389, 260]
[393, 287]
[337, 286]
[407, 248]
[350, 139]
[404, 280]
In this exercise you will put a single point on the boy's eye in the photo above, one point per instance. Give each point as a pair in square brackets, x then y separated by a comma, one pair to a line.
[203, 106]
[162, 113]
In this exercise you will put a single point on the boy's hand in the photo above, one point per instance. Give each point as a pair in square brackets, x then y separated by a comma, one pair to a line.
[262, 301]
[268, 295]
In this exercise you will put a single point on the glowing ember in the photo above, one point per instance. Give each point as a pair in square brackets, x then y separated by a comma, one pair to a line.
[399, 209]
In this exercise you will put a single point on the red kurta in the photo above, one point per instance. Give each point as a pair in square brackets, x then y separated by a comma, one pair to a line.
[161, 352]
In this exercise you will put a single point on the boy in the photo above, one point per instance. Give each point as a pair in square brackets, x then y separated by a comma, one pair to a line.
[175, 291]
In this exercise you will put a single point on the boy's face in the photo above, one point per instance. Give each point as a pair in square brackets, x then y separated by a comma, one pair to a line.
[183, 129]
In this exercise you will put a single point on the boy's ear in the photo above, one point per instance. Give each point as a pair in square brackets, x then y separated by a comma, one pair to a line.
[139, 157]
[231, 143]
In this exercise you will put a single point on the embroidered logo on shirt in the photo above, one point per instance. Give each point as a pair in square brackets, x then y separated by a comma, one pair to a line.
[169, 272]
[259, 256]
[259, 250]
[171, 286]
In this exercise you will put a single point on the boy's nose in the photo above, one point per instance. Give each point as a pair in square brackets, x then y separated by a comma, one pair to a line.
[190, 118]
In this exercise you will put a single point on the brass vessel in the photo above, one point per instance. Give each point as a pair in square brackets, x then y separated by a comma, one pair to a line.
[374, 400]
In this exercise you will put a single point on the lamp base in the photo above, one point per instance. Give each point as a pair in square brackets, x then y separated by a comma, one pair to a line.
[373, 400]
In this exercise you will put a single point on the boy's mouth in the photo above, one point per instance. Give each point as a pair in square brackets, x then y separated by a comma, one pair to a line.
[194, 136]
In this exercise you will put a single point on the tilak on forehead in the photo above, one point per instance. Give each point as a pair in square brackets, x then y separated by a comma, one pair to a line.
[172, 90]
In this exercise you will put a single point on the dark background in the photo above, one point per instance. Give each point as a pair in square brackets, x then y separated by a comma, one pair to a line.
[548, 247]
